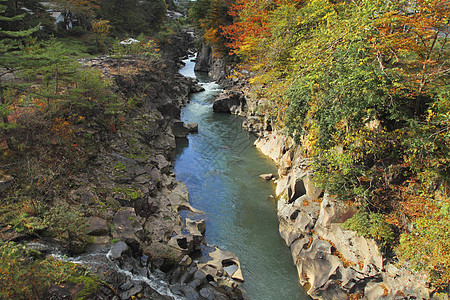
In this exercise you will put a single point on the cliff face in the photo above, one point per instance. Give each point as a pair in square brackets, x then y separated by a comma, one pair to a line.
[332, 263]
[215, 66]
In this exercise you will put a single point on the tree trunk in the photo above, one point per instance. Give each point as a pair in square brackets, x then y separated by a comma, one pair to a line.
[9, 142]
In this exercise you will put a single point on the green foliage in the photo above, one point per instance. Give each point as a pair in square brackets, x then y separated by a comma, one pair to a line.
[428, 143]
[90, 286]
[60, 221]
[128, 193]
[371, 225]
[144, 47]
[427, 247]
[120, 166]
[133, 16]
[66, 222]
[24, 275]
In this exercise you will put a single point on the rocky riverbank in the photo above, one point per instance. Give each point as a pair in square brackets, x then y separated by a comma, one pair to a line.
[142, 222]
[139, 245]
[332, 263]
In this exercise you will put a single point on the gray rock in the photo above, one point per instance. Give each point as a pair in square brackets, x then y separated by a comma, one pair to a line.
[146, 206]
[118, 250]
[204, 59]
[136, 288]
[179, 129]
[162, 163]
[195, 88]
[209, 292]
[192, 127]
[186, 291]
[127, 225]
[229, 102]
[267, 176]
[98, 226]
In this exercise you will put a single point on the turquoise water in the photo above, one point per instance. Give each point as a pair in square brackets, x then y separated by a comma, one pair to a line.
[221, 169]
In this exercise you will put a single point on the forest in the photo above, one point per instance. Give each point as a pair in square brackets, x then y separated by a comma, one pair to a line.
[363, 88]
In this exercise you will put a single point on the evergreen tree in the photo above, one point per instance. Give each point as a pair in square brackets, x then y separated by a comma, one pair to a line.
[9, 62]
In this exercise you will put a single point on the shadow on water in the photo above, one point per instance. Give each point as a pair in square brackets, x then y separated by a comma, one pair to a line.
[221, 169]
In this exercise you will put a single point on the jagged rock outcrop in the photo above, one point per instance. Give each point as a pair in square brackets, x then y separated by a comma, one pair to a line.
[332, 263]
[204, 59]
[215, 65]
[229, 102]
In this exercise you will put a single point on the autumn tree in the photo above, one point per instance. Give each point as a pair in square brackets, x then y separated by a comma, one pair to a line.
[210, 16]
[101, 29]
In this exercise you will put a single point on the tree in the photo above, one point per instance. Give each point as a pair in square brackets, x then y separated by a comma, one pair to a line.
[133, 16]
[32, 12]
[101, 29]
[9, 63]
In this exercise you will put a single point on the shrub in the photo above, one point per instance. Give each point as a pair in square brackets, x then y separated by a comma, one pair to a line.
[67, 223]
[371, 225]
[427, 247]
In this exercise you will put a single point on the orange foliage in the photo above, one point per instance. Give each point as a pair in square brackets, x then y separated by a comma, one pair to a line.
[248, 29]
[409, 38]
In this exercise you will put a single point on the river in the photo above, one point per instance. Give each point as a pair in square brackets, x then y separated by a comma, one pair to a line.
[221, 169]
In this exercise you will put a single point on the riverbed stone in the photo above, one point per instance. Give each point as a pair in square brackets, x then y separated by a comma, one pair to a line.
[179, 198]
[136, 287]
[118, 250]
[196, 227]
[268, 176]
[192, 127]
[219, 260]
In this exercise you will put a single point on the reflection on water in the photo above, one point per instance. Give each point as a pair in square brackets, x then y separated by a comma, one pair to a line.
[221, 169]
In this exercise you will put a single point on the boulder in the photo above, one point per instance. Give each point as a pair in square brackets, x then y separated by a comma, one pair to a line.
[179, 198]
[222, 263]
[196, 88]
[161, 162]
[146, 206]
[192, 127]
[195, 227]
[266, 176]
[127, 226]
[179, 129]
[229, 102]
[98, 226]
[119, 250]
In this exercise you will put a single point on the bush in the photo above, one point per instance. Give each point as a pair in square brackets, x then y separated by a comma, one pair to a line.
[371, 225]
[427, 247]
